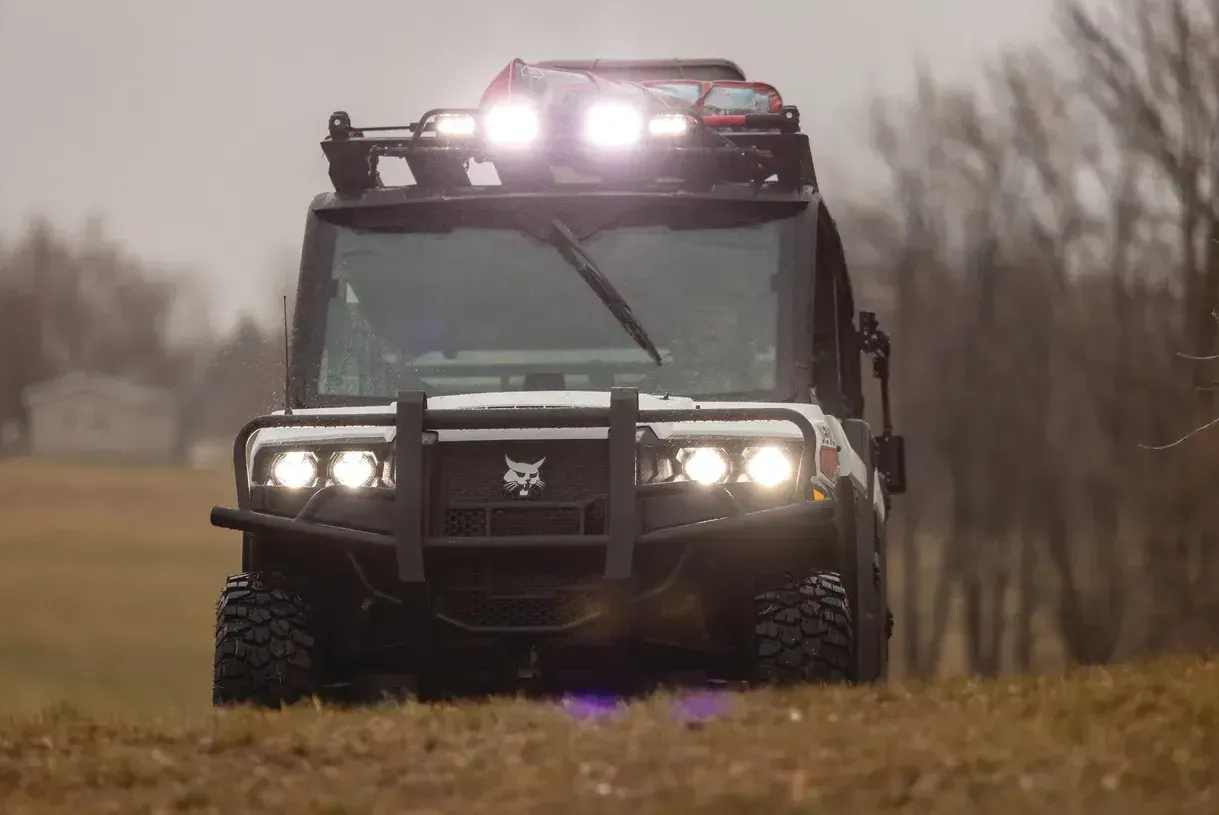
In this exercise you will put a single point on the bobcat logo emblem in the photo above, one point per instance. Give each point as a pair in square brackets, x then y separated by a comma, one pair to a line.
[524, 480]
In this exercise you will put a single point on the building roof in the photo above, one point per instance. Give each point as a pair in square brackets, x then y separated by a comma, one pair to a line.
[114, 388]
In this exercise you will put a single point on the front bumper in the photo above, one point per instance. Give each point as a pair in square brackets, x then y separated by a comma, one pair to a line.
[778, 521]
[403, 530]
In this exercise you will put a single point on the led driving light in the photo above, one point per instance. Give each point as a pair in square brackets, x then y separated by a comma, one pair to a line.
[354, 468]
[609, 124]
[669, 124]
[769, 466]
[511, 125]
[706, 465]
[455, 125]
[295, 469]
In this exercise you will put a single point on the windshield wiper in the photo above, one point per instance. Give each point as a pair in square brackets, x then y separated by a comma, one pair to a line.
[574, 252]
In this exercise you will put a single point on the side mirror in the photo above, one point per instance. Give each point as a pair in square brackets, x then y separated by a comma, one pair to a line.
[891, 461]
[869, 326]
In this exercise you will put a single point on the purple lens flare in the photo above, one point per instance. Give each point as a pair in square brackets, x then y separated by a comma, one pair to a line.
[700, 706]
[592, 706]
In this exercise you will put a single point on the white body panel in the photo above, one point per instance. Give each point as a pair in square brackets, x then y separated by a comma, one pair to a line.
[852, 465]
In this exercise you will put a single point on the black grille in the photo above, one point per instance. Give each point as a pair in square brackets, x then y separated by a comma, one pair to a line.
[473, 472]
[472, 501]
[502, 591]
[501, 521]
[502, 611]
[489, 592]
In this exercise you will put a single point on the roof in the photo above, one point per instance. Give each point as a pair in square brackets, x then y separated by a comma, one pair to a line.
[117, 389]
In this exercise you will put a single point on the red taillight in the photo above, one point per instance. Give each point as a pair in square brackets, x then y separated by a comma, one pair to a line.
[827, 462]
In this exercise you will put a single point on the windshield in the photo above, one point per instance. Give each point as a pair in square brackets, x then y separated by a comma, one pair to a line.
[497, 305]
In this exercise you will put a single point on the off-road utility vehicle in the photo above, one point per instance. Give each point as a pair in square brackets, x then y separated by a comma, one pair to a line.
[600, 422]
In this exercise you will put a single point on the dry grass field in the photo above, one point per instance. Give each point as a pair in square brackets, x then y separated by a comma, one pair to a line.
[108, 585]
[108, 580]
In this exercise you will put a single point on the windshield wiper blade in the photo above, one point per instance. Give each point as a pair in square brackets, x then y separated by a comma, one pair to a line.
[578, 256]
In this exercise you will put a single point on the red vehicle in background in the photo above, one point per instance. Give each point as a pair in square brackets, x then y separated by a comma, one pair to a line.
[548, 86]
[720, 103]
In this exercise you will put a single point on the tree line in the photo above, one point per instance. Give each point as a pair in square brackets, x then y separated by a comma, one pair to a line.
[80, 302]
[1047, 260]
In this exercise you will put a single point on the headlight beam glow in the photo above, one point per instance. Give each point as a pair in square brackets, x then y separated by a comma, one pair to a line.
[511, 124]
[354, 469]
[612, 124]
[668, 124]
[294, 469]
[706, 465]
[455, 125]
[769, 466]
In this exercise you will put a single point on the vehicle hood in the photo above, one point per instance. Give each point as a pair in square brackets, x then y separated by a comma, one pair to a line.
[547, 399]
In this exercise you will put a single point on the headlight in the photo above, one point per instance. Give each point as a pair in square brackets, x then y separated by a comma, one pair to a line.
[669, 124]
[769, 466]
[450, 124]
[609, 124]
[706, 465]
[511, 125]
[353, 468]
[295, 469]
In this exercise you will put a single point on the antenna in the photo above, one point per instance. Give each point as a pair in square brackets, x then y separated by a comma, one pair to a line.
[287, 365]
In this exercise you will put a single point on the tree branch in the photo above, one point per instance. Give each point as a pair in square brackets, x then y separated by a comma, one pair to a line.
[1184, 438]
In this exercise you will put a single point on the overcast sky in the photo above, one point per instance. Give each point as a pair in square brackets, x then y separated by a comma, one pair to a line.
[193, 127]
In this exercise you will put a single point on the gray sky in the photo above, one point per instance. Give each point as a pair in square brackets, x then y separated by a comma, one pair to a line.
[193, 127]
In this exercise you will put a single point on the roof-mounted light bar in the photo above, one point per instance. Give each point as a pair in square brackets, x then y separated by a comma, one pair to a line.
[526, 104]
[532, 120]
[519, 125]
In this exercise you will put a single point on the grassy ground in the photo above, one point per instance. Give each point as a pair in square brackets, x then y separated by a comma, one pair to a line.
[108, 580]
[1137, 740]
[108, 585]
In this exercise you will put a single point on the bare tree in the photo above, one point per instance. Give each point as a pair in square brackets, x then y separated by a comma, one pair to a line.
[83, 303]
[1151, 68]
[1036, 369]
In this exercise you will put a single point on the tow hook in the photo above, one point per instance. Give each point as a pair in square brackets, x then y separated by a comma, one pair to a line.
[531, 670]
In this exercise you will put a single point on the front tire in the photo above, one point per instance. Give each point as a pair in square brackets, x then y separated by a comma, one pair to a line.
[266, 649]
[803, 633]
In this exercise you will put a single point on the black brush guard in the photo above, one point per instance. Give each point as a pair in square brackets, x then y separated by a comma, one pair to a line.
[413, 421]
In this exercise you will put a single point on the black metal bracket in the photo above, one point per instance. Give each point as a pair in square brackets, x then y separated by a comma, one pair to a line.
[888, 448]
[408, 485]
[622, 520]
[875, 343]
